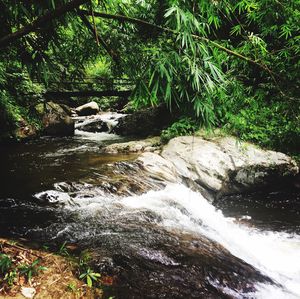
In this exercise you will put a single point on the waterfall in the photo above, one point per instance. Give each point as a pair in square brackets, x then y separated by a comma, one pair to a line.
[180, 210]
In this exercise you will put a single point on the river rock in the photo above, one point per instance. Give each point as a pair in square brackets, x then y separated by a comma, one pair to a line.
[28, 292]
[25, 131]
[144, 122]
[94, 126]
[56, 122]
[218, 166]
[159, 168]
[53, 197]
[227, 165]
[137, 146]
[87, 109]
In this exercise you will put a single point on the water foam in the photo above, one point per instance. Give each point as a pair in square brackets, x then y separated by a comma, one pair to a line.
[181, 210]
[275, 254]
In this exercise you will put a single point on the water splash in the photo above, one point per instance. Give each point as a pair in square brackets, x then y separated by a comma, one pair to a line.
[274, 254]
[180, 210]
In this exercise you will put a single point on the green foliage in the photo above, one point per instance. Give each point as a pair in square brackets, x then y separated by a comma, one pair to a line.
[86, 272]
[10, 277]
[213, 60]
[5, 263]
[63, 250]
[181, 70]
[7, 270]
[269, 126]
[89, 276]
[18, 95]
[257, 101]
[84, 259]
[100, 68]
[10, 270]
[184, 126]
[71, 287]
[32, 269]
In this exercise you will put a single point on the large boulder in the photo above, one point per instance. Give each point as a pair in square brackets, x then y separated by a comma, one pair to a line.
[145, 122]
[56, 121]
[90, 108]
[226, 165]
[159, 168]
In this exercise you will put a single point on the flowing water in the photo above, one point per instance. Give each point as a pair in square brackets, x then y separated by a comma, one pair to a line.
[156, 240]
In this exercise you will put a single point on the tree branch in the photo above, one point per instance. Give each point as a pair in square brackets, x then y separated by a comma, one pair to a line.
[39, 22]
[122, 18]
[98, 37]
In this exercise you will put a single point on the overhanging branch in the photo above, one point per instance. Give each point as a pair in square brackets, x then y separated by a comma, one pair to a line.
[98, 37]
[39, 22]
[136, 21]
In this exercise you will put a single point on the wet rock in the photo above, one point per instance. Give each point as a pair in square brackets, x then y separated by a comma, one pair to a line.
[102, 122]
[145, 122]
[94, 126]
[215, 167]
[87, 109]
[55, 119]
[25, 130]
[146, 145]
[227, 165]
[53, 197]
[56, 122]
[159, 168]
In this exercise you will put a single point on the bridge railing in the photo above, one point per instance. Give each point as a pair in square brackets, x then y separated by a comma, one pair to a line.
[90, 83]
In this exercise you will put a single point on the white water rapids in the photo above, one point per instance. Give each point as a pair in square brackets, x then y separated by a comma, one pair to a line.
[181, 210]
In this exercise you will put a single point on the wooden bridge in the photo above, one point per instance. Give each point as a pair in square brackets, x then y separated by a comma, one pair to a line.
[90, 87]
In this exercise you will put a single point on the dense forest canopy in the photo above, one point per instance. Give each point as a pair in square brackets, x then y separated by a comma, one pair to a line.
[230, 64]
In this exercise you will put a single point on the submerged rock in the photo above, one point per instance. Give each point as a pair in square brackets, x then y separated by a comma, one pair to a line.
[87, 109]
[221, 166]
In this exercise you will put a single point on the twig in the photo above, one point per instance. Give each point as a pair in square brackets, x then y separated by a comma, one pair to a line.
[5, 243]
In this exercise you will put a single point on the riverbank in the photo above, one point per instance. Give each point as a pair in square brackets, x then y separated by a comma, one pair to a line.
[29, 271]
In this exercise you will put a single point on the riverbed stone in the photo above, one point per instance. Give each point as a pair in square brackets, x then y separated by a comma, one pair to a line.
[159, 168]
[25, 130]
[143, 123]
[226, 165]
[94, 126]
[87, 109]
[56, 122]
[150, 144]
[218, 166]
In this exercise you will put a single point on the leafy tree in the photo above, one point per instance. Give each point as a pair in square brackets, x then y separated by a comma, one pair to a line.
[226, 63]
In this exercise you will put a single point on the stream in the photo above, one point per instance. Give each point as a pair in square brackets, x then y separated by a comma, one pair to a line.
[158, 240]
